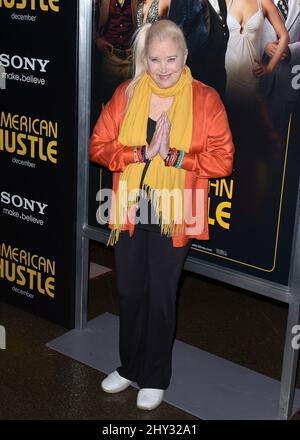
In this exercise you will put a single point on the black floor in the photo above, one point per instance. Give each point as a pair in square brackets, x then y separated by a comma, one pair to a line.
[38, 383]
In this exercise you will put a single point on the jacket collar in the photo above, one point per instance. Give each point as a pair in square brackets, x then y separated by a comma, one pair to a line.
[294, 11]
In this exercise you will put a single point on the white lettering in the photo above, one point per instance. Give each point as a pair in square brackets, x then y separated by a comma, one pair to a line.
[296, 339]
[22, 202]
[296, 79]
[25, 63]
[2, 338]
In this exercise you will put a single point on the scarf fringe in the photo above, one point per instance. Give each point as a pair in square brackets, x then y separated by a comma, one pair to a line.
[167, 229]
[113, 237]
[170, 228]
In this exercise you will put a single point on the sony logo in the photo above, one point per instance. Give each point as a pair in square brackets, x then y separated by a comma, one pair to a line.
[24, 63]
[22, 202]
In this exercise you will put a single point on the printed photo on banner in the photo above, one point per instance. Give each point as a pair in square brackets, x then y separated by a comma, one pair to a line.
[249, 52]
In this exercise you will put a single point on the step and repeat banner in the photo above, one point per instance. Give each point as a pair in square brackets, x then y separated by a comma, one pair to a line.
[38, 153]
[252, 212]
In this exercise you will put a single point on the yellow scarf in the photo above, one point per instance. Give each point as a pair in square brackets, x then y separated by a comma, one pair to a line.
[159, 180]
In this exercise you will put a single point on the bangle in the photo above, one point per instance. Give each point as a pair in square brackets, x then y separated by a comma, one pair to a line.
[135, 155]
[174, 157]
[144, 154]
[171, 157]
[179, 160]
[167, 158]
[140, 155]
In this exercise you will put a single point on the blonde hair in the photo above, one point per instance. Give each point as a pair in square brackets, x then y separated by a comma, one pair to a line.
[143, 37]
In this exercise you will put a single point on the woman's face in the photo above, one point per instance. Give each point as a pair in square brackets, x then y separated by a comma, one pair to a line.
[165, 61]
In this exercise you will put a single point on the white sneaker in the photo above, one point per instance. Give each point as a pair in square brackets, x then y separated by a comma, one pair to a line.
[149, 398]
[114, 383]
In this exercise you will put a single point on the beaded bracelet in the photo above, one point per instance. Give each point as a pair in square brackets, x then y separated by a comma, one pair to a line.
[179, 160]
[135, 155]
[171, 157]
[144, 154]
[167, 158]
[174, 158]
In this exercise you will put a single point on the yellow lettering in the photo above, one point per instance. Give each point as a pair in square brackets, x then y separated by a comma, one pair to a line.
[32, 273]
[42, 156]
[55, 8]
[22, 150]
[215, 185]
[1, 267]
[8, 3]
[228, 187]
[43, 5]
[49, 286]
[221, 214]
[22, 280]
[39, 286]
[21, 5]
[52, 151]
[10, 148]
[5, 120]
[10, 276]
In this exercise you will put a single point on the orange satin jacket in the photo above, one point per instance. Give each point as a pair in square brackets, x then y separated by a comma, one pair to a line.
[210, 155]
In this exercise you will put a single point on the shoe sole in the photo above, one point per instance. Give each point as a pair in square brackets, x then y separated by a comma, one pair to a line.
[118, 390]
[146, 408]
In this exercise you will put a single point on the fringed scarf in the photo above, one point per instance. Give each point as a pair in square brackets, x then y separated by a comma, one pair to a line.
[164, 185]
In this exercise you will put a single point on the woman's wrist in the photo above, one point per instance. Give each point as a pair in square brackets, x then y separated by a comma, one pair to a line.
[149, 154]
[137, 155]
[167, 157]
[146, 158]
[174, 158]
[140, 155]
[171, 157]
[179, 160]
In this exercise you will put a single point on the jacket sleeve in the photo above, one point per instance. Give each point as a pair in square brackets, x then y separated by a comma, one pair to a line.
[105, 148]
[216, 159]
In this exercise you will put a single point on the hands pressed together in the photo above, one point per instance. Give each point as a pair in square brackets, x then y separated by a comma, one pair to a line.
[161, 138]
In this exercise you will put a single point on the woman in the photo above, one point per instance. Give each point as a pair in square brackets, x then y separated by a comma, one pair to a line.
[168, 134]
[245, 21]
[150, 11]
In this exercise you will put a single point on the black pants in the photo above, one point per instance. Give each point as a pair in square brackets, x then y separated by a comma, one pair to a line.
[148, 270]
